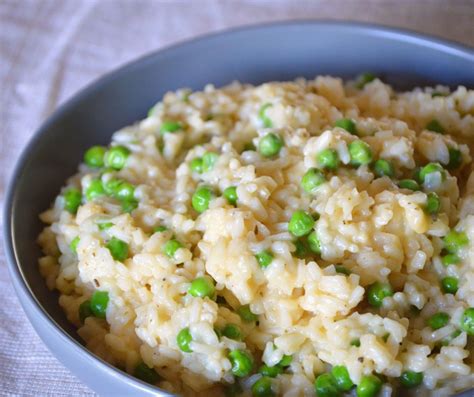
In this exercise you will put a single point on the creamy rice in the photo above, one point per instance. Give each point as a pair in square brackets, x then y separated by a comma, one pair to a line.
[306, 306]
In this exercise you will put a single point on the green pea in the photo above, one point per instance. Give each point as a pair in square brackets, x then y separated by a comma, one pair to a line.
[111, 186]
[467, 321]
[449, 285]
[266, 121]
[343, 380]
[94, 190]
[300, 223]
[119, 189]
[94, 156]
[196, 165]
[116, 157]
[170, 126]
[432, 168]
[146, 374]
[314, 243]
[129, 205]
[355, 342]
[99, 302]
[183, 340]
[343, 270]
[85, 310]
[201, 198]
[270, 145]
[434, 94]
[104, 225]
[209, 160]
[455, 159]
[264, 258]
[328, 159]
[312, 179]
[347, 124]
[360, 153]
[285, 361]
[454, 240]
[301, 249]
[383, 168]
[246, 314]
[118, 249]
[450, 259]
[435, 126]
[202, 287]
[230, 194]
[242, 363]
[411, 379]
[160, 229]
[124, 191]
[263, 387]
[72, 200]
[438, 320]
[325, 385]
[369, 386]
[378, 292]
[171, 246]
[73, 244]
[232, 331]
[364, 79]
[409, 184]
[272, 372]
[433, 203]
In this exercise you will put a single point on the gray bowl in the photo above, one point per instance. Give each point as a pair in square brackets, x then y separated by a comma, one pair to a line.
[256, 54]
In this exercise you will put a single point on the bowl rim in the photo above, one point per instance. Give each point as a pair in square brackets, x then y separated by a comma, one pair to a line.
[15, 269]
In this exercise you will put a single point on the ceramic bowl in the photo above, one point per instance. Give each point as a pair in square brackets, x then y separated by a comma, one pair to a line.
[256, 54]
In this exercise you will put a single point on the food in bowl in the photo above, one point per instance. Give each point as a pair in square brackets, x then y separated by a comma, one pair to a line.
[289, 239]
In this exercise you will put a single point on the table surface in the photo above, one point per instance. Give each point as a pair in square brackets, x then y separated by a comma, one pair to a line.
[49, 49]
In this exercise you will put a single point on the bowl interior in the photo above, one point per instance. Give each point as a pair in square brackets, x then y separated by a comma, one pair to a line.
[253, 55]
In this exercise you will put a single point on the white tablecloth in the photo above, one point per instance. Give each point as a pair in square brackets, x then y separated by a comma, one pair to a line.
[49, 49]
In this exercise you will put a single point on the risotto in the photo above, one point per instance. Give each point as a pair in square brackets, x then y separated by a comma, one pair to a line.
[297, 238]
